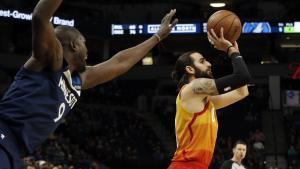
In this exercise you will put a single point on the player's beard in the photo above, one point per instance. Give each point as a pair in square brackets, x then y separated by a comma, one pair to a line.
[203, 74]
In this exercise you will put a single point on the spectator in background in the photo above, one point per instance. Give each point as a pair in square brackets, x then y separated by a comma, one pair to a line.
[29, 163]
[258, 139]
[239, 153]
[258, 136]
[292, 157]
[94, 165]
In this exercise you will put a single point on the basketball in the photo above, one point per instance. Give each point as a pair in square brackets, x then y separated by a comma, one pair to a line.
[229, 21]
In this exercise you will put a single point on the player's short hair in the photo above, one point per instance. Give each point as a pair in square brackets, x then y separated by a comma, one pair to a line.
[66, 34]
[239, 142]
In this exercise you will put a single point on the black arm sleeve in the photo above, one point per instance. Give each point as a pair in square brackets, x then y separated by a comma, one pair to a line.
[238, 78]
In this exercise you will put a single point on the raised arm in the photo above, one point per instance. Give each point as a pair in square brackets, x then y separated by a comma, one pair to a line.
[228, 89]
[46, 49]
[229, 98]
[125, 59]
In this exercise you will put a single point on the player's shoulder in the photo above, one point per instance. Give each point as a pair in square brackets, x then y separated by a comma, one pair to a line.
[227, 164]
[188, 91]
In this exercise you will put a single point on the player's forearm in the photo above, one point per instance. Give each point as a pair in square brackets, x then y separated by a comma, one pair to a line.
[238, 78]
[240, 68]
[129, 57]
[243, 91]
[45, 9]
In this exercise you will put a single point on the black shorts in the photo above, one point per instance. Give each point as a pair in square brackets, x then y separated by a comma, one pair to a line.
[10, 152]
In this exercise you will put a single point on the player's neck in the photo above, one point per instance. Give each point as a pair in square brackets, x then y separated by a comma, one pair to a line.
[191, 78]
[239, 161]
[71, 68]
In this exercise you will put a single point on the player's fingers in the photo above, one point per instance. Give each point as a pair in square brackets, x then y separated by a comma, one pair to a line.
[172, 13]
[165, 18]
[175, 21]
[210, 40]
[222, 33]
[235, 44]
[213, 34]
[209, 36]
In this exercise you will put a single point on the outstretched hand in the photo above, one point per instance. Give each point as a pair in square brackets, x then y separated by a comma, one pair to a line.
[220, 43]
[166, 25]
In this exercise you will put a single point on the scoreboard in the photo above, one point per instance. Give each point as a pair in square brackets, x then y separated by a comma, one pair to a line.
[266, 27]
[135, 29]
[262, 27]
[292, 27]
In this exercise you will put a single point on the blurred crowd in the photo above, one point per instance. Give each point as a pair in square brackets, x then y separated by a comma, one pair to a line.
[292, 119]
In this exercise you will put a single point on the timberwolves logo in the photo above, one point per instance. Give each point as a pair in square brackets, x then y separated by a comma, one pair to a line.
[256, 27]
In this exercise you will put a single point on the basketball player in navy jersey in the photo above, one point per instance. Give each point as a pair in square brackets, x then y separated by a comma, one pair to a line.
[49, 84]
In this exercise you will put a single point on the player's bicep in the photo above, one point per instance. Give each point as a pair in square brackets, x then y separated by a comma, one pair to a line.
[44, 42]
[204, 86]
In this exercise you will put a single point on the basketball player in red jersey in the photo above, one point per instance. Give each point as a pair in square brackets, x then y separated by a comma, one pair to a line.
[200, 95]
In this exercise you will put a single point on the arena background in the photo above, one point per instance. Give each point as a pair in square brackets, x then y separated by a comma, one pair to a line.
[129, 122]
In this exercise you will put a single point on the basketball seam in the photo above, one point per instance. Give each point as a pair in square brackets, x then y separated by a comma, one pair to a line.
[231, 26]
[220, 21]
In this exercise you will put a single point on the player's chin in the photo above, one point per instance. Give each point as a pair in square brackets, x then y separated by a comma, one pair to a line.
[81, 68]
[210, 74]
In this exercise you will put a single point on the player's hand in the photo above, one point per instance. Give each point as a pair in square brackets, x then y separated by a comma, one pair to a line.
[166, 25]
[221, 43]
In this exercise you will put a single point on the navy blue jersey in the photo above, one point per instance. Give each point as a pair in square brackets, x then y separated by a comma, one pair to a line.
[36, 103]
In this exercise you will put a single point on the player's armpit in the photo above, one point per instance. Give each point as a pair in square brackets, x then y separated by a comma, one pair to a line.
[204, 86]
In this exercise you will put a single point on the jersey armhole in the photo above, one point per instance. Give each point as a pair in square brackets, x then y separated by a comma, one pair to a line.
[179, 94]
[76, 78]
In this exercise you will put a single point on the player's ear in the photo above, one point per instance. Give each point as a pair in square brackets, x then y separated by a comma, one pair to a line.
[74, 45]
[190, 69]
[233, 150]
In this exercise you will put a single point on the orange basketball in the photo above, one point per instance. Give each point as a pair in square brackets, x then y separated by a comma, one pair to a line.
[229, 21]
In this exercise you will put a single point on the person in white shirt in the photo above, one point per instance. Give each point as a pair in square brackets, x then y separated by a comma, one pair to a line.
[239, 153]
